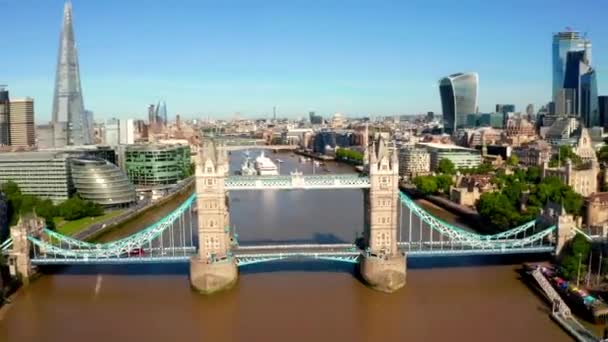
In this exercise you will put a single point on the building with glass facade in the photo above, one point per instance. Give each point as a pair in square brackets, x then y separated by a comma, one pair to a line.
[564, 42]
[100, 181]
[458, 98]
[462, 157]
[5, 138]
[71, 124]
[157, 165]
[43, 174]
[603, 109]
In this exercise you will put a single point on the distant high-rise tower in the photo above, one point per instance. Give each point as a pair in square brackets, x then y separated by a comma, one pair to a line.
[70, 123]
[564, 42]
[151, 114]
[5, 137]
[22, 122]
[161, 113]
[458, 99]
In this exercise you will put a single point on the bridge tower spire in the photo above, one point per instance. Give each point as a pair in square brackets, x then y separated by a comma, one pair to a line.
[383, 266]
[214, 267]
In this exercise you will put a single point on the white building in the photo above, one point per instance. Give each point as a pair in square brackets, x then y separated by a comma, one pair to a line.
[461, 157]
[127, 132]
[414, 162]
[111, 135]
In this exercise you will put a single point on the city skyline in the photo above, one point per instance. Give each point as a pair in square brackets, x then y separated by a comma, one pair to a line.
[216, 60]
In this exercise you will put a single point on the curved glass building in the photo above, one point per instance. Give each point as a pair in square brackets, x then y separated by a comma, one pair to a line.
[100, 181]
[458, 99]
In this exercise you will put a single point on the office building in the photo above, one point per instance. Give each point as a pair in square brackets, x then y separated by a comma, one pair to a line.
[70, 122]
[603, 110]
[430, 116]
[589, 102]
[126, 131]
[4, 232]
[151, 114]
[112, 132]
[102, 182]
[161, 113]
[157, 165]
[563, 43]
[414, 162]
[461, 157]
[458, 98]
[21, 122]
[5, 138]
[315, 119]
[43, 174]
[505, 108]
[530, 112]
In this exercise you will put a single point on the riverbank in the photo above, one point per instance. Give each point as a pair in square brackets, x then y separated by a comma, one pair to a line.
[314, 155]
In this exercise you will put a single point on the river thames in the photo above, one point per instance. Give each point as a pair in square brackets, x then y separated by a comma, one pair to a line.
[456, 300]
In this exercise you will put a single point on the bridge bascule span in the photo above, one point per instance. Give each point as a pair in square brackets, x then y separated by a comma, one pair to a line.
[198, 231]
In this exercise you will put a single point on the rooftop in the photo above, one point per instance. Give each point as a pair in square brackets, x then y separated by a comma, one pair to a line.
[30, 156]
[438, 146]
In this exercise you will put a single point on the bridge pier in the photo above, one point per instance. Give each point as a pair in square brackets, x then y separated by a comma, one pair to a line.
[208, 278]
[384, 274]
[383, 266]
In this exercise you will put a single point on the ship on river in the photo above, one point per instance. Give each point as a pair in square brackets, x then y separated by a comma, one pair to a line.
[247, 168]
[265, 167]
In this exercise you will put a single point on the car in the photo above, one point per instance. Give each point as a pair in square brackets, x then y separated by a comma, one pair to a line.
[137, 252]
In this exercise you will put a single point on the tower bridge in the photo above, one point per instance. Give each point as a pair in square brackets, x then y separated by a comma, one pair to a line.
[395, 227]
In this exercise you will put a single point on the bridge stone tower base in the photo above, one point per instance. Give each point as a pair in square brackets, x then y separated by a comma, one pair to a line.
[19, 260]
[214, 268]
[383, 267]
[208, 278]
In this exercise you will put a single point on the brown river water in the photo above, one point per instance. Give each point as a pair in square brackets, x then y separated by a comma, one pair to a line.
[461, 299]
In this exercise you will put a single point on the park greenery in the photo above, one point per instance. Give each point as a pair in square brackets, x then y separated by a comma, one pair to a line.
[349, 155]
[71, 209]
[520, 196]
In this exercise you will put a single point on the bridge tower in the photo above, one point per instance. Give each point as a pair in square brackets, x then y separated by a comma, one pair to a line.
[19, 260]
[383, 266]
[214, 267]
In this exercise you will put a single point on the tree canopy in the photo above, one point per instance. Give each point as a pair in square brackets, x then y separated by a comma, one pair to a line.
[521, 196]
[446, 166]
[350, 155]
[72, 209]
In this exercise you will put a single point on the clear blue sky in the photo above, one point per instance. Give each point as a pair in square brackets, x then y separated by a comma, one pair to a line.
[216, 58]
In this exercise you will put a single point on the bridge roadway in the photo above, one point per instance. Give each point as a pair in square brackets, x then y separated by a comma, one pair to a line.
[251, 254]
[287, 182]
[259, 147]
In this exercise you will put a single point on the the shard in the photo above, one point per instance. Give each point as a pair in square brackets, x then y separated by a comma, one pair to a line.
[70, 123]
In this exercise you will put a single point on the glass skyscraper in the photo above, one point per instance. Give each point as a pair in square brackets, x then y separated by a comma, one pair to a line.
[564, 42]
[70, 123]
[458, 99]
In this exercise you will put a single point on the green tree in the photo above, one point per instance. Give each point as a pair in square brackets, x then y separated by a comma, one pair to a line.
[497, 210]
[602, 154]
[575, 255]
[513, 160]
[426, 184]
[444, 182]
[533, 174]
[446, 166]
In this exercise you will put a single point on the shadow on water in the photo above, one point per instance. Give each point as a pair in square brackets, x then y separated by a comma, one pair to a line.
[317, 238]
[478, 260]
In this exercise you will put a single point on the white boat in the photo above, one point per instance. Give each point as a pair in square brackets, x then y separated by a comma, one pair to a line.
[279, 161]
[247, 168]
[302, 159]
[317, 163]
[265, 166]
